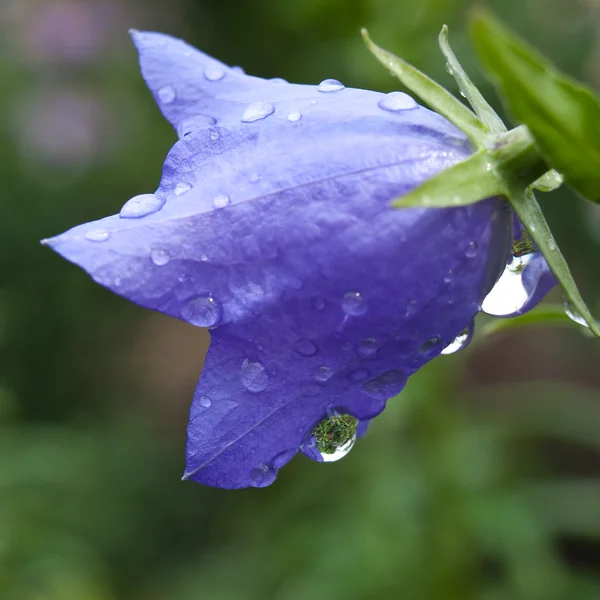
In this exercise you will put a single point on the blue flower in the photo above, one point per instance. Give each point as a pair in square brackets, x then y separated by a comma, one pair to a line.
[272, 226]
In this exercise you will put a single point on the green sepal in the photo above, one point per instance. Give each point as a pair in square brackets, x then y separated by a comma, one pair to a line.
[562, 114]
[467, 182]
[431, 93]
[479, 104]
[532, 218]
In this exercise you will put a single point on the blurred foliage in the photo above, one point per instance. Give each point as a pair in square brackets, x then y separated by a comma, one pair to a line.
[481, 481]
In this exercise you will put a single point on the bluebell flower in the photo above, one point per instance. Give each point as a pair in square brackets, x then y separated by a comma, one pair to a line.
[272, 226]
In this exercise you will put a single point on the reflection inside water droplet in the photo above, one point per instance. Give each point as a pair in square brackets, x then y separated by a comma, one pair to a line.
[334, 436]
[460, 342]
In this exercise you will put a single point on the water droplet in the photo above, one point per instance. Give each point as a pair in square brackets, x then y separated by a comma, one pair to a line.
[305, 347]
[205, 401]
[318, 303]
[573, 314]
[203, 311]
[255, 178]
[324, 373]
[552, 245]
[430, 344]
[386, 385]
[359, 374]
[277, 80]
[257, 111]
[313, 102]
[97, 235]
[294, 115]
[460, 342]
[203, 257]
[488, 167]
[334, 436]
[214, 135]
[221, 201]
[509, 296]
[214, 73]
[367, 347]
[330, 85]
[263, 475]
[254, 376]
[166, 94]
[448, 276]
[141, 206]
[397, 101]
[182, 188]
[471, 250]
[238, 69]
[354, 304]
[159, 257]
[193, 124]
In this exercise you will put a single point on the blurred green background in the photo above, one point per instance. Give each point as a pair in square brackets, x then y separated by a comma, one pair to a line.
[480, 481]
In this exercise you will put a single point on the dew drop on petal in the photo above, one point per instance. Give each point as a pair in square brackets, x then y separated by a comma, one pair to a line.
[318, 303]
[182, 188]
[97, 235]
[221, 201]
[214, 73]
[334, 437]
[397, 101]
[367, 347]
[509, 296]
[205, 401]
[430, 345]
[141, 206]
[255, 178]
[471, 250]
[238, 69]
[411, 308]
[257, 111]
[214, 135]
[359, 374]
[294, 115]
[386, 385]
[354, 304]
[460, 342]
[166, 94]
[159, 257]
[323, 373]
[263, 475]
[330, 85]
[305, 347]
[253, 375]
[203, 311]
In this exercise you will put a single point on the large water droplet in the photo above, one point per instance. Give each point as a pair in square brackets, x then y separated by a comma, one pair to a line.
[509, 296]
[97, 235]
[386, 385]
[257, 111]
[334, 436]
[182, 188]
[254, 376]
[367, 347]
[203, 311]
[397, 101]
[166, 94]
[330, 85]
[354, 304]
[324, 373]
[305, 347]
[214, 73]
[573, 314]
[221, 201]
[460, 342]
[263, 475]
[141, 206]
[294, 115]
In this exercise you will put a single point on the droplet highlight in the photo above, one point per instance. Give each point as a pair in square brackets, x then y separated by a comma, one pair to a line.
[396, 102]
[141, 206]
[330, 85]
[257, 111]
[203, 311]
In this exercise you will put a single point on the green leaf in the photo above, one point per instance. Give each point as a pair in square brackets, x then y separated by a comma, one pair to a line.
[480, 105]
[530, 213]
[431, 93]
[562, 114]
[466, 182]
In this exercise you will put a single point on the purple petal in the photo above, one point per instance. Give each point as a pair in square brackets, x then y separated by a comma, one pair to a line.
[279, 233]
